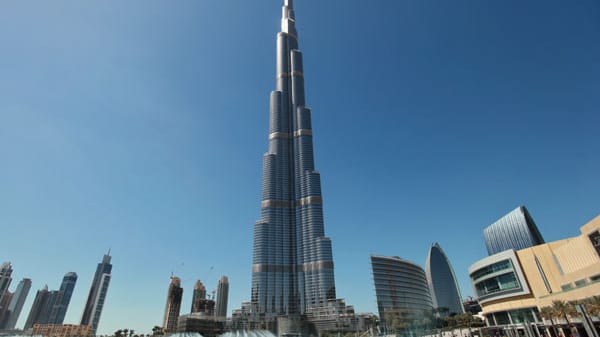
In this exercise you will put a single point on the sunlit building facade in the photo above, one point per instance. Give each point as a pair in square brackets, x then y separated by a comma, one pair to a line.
[173, 305]
[61, 330]
[222, 297]
[198, 295]
[516, 230]
[512, 286]
[400, 287]
[292, 271]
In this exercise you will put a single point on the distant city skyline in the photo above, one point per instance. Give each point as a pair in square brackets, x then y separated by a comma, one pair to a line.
[140, 126]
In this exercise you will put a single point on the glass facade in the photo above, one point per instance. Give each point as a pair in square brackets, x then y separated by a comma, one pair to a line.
[59, 310]
[400, 285]
[292, 270]
[516, 316]
[97, 295]
[442, 281]
[516, 230]
[496, 278]
[16, 304]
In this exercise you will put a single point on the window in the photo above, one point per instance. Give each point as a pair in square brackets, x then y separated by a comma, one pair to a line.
[566, 287]
[497, 284]
[493, 268]
[542, 274]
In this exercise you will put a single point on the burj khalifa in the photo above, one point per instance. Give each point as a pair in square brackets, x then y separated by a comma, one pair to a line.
[292, 271]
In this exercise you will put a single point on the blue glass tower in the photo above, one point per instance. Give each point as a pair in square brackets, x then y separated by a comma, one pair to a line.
[97, 294]
[292, 271]
[59, 309]
[442, 281]
[516, 230]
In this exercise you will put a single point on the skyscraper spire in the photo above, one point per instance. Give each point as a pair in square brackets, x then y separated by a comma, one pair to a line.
[288, 19]
[292, 270]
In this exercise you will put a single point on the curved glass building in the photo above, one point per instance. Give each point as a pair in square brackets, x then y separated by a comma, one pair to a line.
[444, 289]
[292, 270]
[400, 287]
[516, 230]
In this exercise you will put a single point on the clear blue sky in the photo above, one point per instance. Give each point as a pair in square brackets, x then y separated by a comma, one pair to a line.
[140, 126]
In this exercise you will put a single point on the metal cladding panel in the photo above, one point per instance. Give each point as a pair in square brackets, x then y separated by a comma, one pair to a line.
[292, 259]
[303, 115]
[275, 108]
[516, 230]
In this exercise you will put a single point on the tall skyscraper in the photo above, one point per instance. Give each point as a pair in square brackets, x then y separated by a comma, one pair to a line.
[292, 271]
[173, 305]
[199, 294]
[222, 297]
[4, 303]
[516, 230]
[97, 295]
[63, 298]
[5, 278]
[16, 304]
[39, 304]
[400, 287]
[443, 286]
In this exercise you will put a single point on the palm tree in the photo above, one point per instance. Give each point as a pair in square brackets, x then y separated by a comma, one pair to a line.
[548, 313]
[592, 306]
[564, 309]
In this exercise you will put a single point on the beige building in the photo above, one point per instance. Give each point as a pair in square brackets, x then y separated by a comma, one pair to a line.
[62, 330]
[512, 286]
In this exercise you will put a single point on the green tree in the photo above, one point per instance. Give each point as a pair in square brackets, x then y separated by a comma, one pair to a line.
[548, 314]
[592, 305]
[564, 309]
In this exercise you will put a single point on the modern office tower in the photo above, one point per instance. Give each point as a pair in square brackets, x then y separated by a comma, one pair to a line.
[97, 294]
[46, 312]
[4, 303]
[39, 303]
[292, 271]
[443, 286]
[516, 230]
[199, 294]
[5, 278]
[400, 287]
[63, 298]
[173, 305]
[222, 297]
[16, 304]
